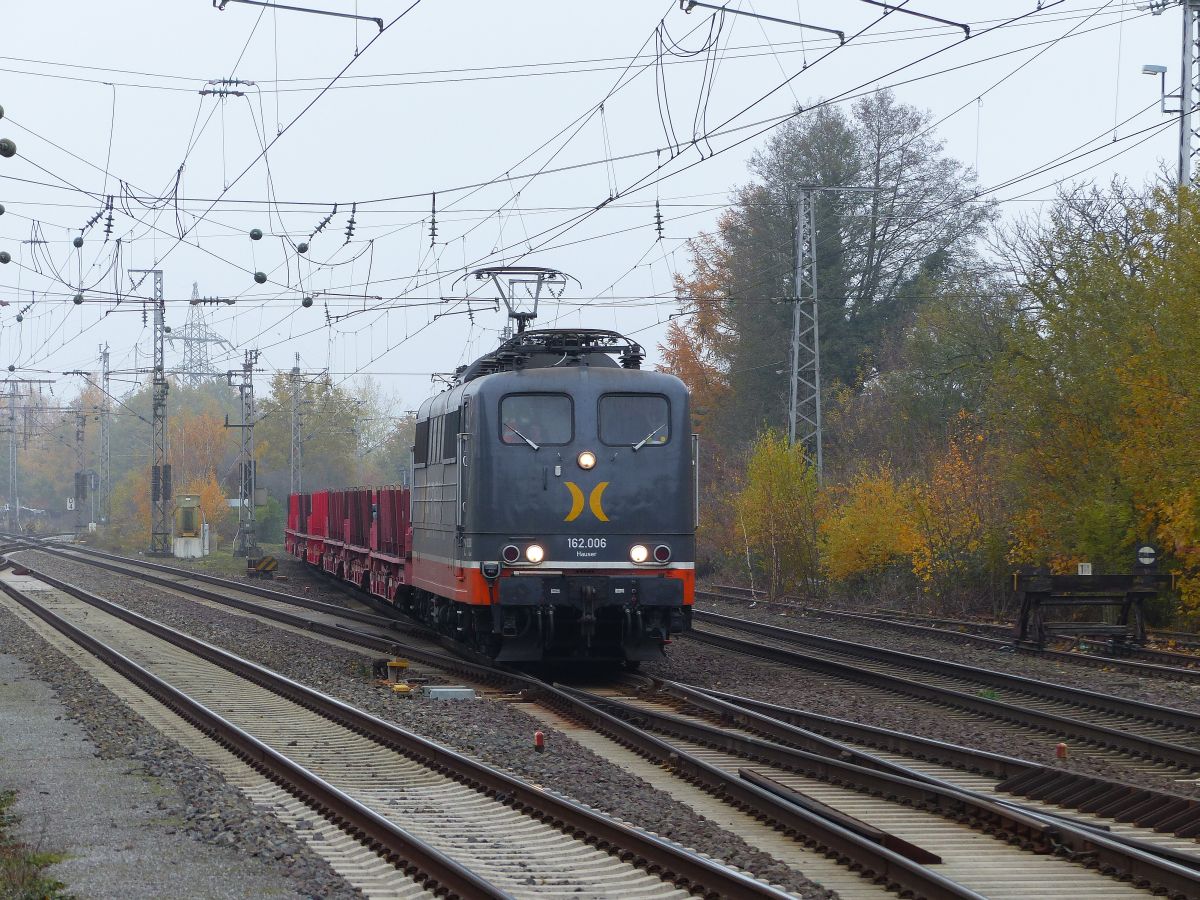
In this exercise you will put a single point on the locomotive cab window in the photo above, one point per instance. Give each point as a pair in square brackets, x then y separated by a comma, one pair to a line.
[432, 452]
[635, 420]
[536, 419]
[421, 444]
[450, 435]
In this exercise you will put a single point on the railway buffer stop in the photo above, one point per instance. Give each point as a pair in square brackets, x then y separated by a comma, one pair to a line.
[1099, 608]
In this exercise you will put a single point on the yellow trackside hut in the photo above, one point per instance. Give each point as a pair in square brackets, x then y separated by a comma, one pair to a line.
[190, 539]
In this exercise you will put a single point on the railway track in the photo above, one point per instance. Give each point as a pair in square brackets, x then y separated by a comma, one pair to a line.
[684, 759]
[918, 814]
[1168, 822]
[1147, 662]
[1143, 737]
[812, 836]
[468, 829]
[1188, 639]
[1183, 665]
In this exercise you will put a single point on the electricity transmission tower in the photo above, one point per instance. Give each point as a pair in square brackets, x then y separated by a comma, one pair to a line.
[197, 339]
[160, 469]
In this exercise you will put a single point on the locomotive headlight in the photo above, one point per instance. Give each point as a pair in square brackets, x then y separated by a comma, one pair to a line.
[534, 553]
[511, 553]
[586, 459]
[638, 553]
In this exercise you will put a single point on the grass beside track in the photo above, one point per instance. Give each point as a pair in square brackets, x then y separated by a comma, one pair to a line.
[22, 868]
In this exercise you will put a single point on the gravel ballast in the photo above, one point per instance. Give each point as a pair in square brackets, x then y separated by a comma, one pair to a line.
[499, 734]
[134, 814]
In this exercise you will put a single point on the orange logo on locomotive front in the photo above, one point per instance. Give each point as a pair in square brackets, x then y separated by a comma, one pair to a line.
[595, 501]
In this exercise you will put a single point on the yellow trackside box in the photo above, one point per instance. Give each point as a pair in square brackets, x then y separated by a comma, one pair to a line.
[188, 518]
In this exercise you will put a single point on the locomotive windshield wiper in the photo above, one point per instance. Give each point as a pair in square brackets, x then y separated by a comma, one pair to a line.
[642, 443]
[521, 436]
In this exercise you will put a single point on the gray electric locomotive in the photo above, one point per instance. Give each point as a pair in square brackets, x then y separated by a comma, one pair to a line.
[554, 502]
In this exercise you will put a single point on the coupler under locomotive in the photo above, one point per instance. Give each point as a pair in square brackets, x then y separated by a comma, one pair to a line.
[597, 617]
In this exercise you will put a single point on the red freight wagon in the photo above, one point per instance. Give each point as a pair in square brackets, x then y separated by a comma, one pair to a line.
[297, 521]
[361, 535]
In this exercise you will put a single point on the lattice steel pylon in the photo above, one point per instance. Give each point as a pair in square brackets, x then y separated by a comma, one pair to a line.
[804, 371]
[160, 469]
[14, 505]
[105, 436]
[246, 540]
[1189, 85]
[197, 338]
[81, 485]
[1189, 93]
[296, 470]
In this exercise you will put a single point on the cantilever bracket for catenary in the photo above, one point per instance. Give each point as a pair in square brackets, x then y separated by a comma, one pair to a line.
[908, 12]
[688, 5]
[220, 5]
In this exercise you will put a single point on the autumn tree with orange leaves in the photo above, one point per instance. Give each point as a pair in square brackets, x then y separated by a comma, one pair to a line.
[1040, 409]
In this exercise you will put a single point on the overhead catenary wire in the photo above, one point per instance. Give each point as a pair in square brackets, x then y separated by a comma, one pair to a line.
[547, 245]
[500, 71]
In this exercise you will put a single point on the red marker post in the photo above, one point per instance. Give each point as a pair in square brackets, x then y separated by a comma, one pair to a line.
[539, 741]
[1060, 751]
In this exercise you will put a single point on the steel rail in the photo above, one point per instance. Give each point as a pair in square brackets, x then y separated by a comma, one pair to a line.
[396, 843]
[1168, 671]
[1085, 788]
[1186, 638]
[98, 557]
[1164, 812]
[672, 863]
[872, 860]
[1157, 663]
[1170, 665]
[1109, 703]
[1149, 748]
[787, 725]
[1175, 873]
[377, 642]
[875, 861]
[571, 706]
[1123, 802]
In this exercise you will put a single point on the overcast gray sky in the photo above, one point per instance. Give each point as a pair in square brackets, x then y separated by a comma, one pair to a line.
[472, 100]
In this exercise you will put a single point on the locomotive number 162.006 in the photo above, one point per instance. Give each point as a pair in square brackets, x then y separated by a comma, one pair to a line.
[591, 543]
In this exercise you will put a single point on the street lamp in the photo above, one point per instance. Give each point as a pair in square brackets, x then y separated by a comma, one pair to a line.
[1161, 72]
[1184, 113]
